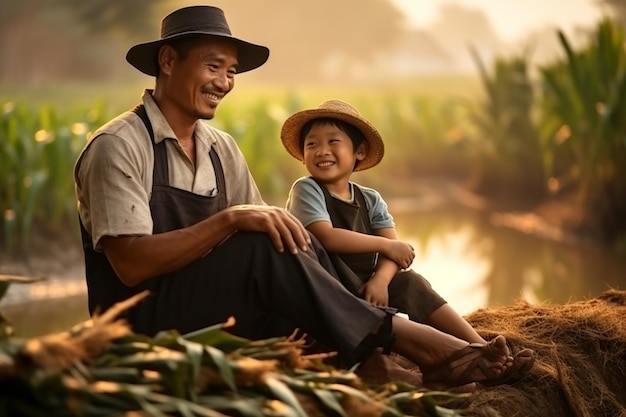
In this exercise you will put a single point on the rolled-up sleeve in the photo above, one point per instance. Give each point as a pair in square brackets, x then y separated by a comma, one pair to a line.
[380, 218]
[111, 191]
[306, 202]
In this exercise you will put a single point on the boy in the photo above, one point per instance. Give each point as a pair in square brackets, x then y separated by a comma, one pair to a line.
[352, 221]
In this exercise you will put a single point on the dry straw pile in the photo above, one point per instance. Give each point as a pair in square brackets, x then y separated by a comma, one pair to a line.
[580, 369]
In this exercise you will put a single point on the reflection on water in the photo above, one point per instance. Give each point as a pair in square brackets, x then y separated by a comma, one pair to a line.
[467, 259]
[454, 271]
[474, 264]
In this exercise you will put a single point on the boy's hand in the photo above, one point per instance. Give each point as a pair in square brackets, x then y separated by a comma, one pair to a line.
[375, 291]
[400, 252]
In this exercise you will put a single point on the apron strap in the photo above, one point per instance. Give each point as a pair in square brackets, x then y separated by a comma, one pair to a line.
[160, 173]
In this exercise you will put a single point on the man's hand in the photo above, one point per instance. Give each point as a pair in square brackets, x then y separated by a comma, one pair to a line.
[284, 229]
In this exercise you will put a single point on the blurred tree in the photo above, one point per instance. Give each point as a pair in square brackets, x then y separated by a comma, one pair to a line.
[458, 26]
[313, 40]
[41, 41]
[94, 15]
[131, 17]
[463, 25]
[308, 39]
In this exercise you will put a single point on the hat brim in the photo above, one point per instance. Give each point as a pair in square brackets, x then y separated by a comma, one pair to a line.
[290, 134]
[143, 56]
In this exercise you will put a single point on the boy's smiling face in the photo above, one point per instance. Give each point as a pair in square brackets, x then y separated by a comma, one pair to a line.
[329, 154]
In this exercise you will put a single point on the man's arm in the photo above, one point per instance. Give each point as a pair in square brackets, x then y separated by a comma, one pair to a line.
[138, 258]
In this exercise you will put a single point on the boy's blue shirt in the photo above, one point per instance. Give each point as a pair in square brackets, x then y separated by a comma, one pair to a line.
[306, 202]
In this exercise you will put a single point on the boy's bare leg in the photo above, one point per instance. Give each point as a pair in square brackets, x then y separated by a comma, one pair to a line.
[426, 346]
[446, 319]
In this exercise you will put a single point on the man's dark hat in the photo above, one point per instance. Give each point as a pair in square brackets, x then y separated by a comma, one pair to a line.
[194, 21]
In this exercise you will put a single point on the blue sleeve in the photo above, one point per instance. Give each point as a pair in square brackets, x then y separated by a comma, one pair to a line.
[306, 202]
[377, 208]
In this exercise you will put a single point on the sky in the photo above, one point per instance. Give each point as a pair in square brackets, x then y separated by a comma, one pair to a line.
[512, 18]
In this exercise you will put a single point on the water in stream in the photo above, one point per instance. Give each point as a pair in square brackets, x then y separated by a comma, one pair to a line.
[474, 263]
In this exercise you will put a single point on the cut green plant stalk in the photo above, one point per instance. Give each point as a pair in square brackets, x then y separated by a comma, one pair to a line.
[101, 368]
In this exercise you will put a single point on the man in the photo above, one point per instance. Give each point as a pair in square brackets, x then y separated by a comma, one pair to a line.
[167, 203]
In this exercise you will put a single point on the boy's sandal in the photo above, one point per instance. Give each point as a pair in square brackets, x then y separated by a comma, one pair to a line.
[459, 369]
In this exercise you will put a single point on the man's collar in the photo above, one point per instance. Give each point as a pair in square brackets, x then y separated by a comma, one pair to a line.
[161, 127]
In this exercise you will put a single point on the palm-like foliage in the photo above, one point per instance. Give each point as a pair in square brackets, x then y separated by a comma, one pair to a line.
[584, 105]
[506, 133]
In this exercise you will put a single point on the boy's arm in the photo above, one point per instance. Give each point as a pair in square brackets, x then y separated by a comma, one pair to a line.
[335, 239]
[375, 289]
[386, 268]
[338, 240]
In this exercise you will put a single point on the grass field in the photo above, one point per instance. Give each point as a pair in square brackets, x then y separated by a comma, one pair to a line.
[125, 93]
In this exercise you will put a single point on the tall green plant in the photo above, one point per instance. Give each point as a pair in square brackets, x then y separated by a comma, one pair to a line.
[584, 107]
[38, 148]
[506, 137]
[21, 176]
[420, 133]
[256, 128]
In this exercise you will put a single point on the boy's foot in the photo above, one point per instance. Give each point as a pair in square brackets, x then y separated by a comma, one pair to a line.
[476, 362]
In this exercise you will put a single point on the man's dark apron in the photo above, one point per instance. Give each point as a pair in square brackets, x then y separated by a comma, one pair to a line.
[171, 209]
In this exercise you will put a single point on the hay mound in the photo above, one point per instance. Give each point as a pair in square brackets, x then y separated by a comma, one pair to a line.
[581, 359]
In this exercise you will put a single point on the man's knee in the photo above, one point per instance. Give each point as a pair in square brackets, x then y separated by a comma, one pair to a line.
[245, 244]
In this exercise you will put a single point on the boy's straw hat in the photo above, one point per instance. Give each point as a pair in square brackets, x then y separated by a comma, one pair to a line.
[195, 21]
[335, 109]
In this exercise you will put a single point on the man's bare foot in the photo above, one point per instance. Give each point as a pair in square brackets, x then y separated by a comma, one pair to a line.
[474, 363]
[522, 362]
[497, 350]
[509, 353]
